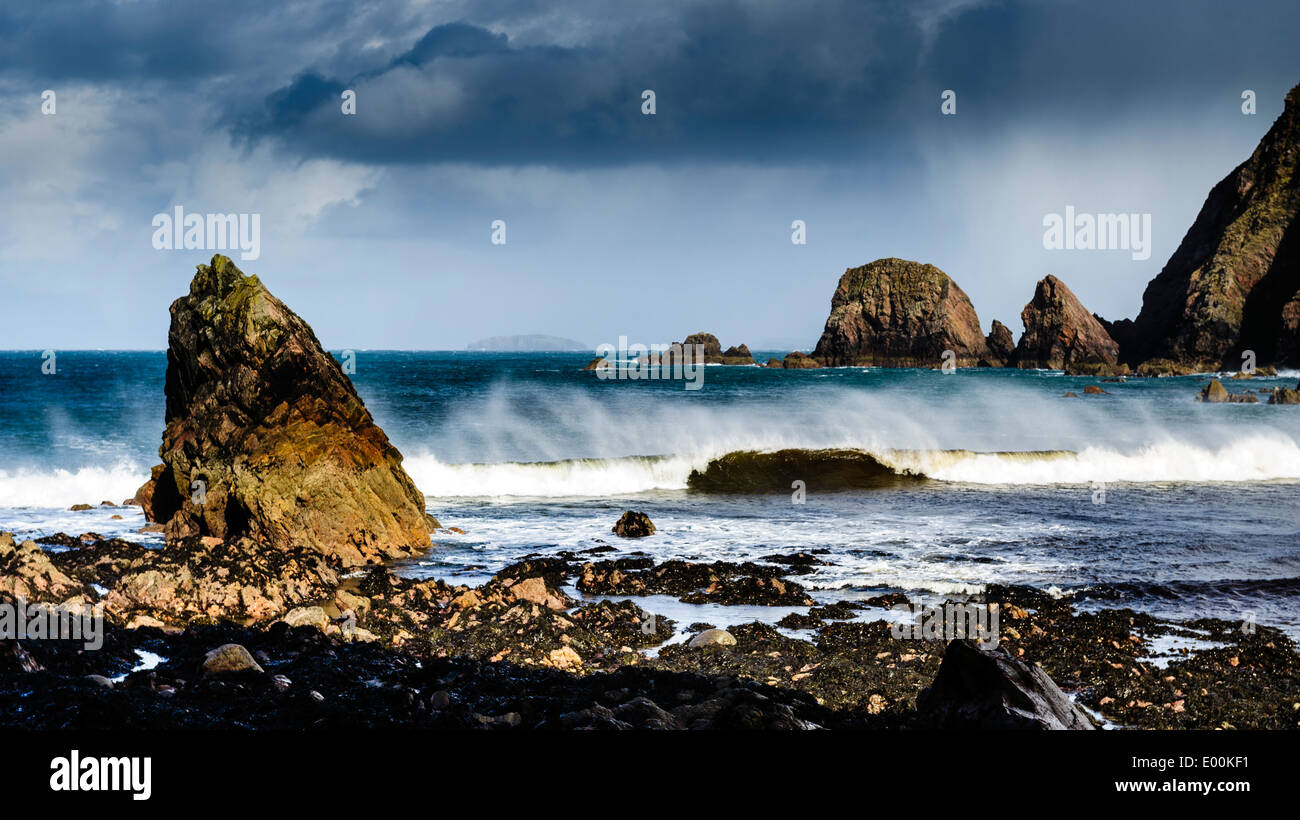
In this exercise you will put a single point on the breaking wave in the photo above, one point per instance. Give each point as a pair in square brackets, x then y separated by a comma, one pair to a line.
[1263, 457]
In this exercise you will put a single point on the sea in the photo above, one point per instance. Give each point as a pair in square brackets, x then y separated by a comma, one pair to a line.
[1140, 497]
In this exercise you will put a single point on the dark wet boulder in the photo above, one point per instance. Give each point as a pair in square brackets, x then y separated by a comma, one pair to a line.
[975, 689]
[633, 525]
[1094, 390]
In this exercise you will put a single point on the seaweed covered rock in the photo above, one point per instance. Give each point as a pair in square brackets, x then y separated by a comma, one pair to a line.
[975, 689]
[266, 438]
[1059, 332]
[898, 313]
[633, 524]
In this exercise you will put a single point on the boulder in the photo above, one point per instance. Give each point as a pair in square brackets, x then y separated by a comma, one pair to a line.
[1216, 393]
[737, 354]
[797, 360]
[1001, 345]
[307, 616]
[1059, 332]
[230, 657]
[1094, 390]
[1233, 284]
[1281, 395]
[633, 525]
[713, 637]
[775, 363]
[977, 689]
[266, 438]
[898, 313]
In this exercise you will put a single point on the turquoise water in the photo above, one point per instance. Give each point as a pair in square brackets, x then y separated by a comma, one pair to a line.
[1199, 512]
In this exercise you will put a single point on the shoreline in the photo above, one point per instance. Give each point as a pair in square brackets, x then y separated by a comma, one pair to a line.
[373, 649]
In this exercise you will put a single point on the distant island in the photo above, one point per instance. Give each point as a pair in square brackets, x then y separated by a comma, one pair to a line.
[530, 343]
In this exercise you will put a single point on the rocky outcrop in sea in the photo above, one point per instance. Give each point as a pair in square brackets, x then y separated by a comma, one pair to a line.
[1059, 332]
[898, 313]
[267, 440]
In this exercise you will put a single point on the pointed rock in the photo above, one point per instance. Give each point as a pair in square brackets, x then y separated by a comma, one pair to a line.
[897, 313]
[1060, 332]
[1001, 345]
[975, 689]
[266, 437]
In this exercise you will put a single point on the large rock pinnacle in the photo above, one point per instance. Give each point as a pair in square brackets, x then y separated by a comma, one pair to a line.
[266, 437]
[1060, 332]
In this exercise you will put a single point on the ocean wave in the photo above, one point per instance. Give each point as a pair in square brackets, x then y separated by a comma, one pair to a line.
[33, 487]
[1261, 457]
[1270, 456]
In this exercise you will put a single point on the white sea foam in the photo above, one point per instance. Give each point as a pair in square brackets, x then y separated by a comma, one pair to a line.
[1258, 457]
[33, 487]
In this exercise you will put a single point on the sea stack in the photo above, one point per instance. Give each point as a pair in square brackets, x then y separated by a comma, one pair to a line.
[1001, 345]
[1233, 284]
[1059, 332]
[897, 313]
[266, 438]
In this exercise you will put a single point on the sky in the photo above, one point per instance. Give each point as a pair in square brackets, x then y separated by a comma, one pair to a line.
[377, 226]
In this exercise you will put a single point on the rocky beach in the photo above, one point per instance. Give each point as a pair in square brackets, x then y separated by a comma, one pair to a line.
[274, 600]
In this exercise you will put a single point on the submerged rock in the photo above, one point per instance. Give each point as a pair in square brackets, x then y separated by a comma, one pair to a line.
[898, 313]
[975, 689]
[266, 438]
[633, 525]
[1060, 333]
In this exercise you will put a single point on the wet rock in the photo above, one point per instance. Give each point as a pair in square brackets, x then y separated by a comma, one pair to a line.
[81, 507]
[797, 360]
[975, 689]
[1094, 390]
[267, 439]
[1216, 393]
[1282, 395]
[633, 525]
